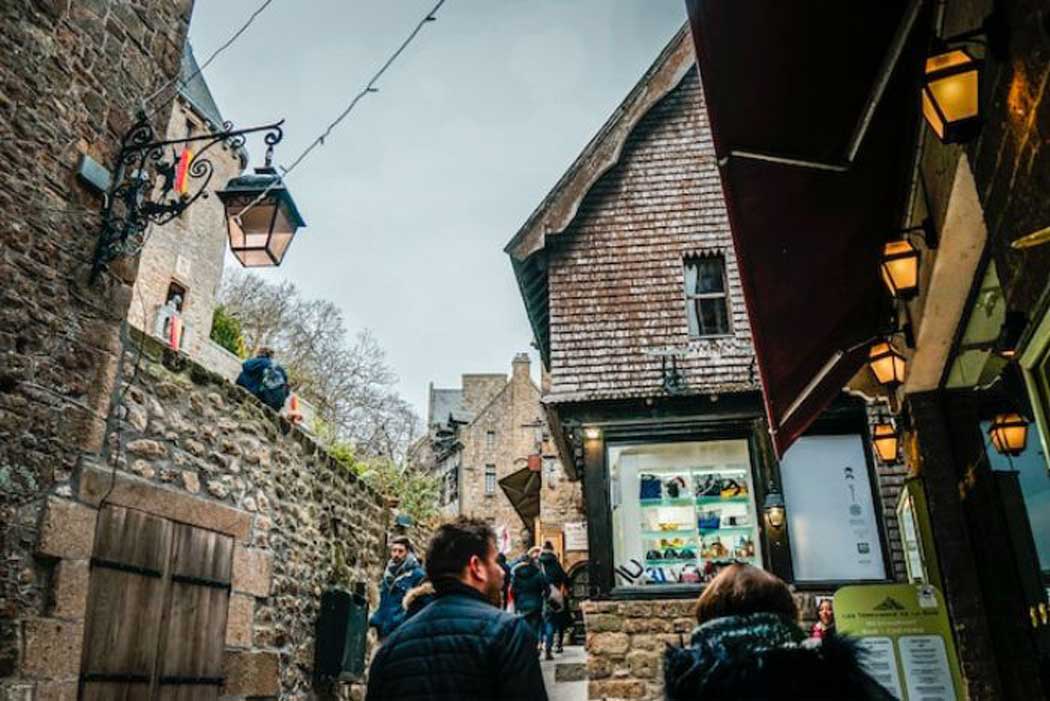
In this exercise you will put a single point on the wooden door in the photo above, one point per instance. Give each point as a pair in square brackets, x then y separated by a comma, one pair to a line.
[157, 608]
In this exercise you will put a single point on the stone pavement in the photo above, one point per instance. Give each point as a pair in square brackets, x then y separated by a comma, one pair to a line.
[569, 660]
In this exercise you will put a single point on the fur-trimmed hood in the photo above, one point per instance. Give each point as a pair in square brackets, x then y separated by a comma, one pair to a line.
[418, 597]
[762, 656]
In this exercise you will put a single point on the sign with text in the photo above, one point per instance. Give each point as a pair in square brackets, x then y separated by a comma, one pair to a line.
[576, 535]
[905, 631]
[830, 510]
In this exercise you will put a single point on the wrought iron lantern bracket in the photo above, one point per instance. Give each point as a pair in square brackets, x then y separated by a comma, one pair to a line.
[144, 187]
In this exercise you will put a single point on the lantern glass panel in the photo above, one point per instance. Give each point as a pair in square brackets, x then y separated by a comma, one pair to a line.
[253, 258]
[900, 267]
[1009, 434]
[283, 232]
[887, 364]
[956, 95]
[884, 438]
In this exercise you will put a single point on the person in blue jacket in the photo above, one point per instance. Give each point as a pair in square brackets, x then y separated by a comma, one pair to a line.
[403, 572]
[461, 646]
[265, 379]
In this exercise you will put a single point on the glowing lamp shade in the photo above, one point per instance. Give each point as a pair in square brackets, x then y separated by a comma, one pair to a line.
[261, 226]
[592, 433]
[887, 364]
[886, 441]
[951, 95]
[900, 268]
[774, 509]
[1009, 434]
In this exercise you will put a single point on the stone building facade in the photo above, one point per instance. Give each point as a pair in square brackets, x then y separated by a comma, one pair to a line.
[484, 433]
[186, 256]
[73, 76]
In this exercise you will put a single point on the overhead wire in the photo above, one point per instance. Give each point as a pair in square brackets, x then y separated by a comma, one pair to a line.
[369, 88]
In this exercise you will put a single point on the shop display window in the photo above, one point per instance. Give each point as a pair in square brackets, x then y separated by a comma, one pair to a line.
[681, 511]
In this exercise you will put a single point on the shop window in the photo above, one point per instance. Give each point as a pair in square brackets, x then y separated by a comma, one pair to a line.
[177, 294]
[681, 511]
[707, 308]
[830, 505]
[490, 480]
[1034, 483]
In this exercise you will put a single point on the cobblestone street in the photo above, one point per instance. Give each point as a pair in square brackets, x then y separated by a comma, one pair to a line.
[568, 661]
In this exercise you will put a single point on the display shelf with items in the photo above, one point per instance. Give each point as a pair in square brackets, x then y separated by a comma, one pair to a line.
[692, 519]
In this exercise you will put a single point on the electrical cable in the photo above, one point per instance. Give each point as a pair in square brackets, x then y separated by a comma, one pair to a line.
[185, 81]
[369, 88]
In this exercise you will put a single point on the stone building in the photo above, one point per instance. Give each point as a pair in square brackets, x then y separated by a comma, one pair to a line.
[633, 290]
[181, 263]
[489, 442]
[122, 465]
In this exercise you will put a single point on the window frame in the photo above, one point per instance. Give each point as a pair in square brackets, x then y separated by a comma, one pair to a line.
[692, 297]
[490, 471]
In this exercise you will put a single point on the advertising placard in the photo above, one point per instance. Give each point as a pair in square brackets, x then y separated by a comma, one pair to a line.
[575, 535]
[905, 630]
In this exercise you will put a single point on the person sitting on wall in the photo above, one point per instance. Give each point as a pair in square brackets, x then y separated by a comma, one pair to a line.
[749, 646]
[403, 572]
[265, 379]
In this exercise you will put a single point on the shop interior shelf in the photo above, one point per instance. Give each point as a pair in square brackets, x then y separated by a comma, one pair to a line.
[742, 499]
[682, 533]
[666, 502]
[728, 529]
[673, 561]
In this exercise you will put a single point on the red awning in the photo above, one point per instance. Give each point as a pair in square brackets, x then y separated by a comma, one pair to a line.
[814, 112]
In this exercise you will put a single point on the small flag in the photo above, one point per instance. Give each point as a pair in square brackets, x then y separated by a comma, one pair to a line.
[182, 172]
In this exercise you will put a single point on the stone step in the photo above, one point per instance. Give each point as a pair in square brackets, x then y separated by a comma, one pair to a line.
[570, 671]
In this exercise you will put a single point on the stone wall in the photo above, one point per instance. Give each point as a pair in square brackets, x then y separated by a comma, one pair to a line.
[626, 640]
[192, 448]
[190, 250]
[72, 75]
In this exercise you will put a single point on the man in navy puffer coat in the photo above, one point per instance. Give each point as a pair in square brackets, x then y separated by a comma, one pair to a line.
[462, 646]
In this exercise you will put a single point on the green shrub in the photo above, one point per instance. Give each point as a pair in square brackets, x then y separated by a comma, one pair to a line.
[226, 331]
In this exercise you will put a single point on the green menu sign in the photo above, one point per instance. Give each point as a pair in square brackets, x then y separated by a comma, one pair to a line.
[905, 630]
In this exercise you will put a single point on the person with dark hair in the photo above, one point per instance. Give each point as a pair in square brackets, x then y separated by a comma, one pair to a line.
[502, 560]
[556, 615]
[528, 589]
[403, 572]
[748, 646]
[461, 646]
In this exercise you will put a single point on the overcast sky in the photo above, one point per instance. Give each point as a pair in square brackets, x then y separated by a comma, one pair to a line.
[411, 200]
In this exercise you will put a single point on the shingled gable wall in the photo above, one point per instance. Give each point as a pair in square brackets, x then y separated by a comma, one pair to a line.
[616, 274]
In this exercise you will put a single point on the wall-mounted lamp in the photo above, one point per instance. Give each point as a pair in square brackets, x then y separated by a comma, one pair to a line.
[900, 260]
[136, 200]
[592, 433]
[773, 508]
[951, 94]
[888, 365]
[1009, 434]
[886, 442]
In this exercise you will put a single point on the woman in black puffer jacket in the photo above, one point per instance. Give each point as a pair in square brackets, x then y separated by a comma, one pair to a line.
[748, 646]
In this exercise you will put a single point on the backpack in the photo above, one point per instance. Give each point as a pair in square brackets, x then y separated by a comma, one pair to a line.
[273, 387]
[555, 598]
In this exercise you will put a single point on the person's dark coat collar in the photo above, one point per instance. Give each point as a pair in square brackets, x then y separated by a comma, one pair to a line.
[454, 587]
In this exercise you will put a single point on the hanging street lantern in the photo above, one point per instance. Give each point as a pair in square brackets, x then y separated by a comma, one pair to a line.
[886, 441]
[149, 190]
[887, 364]
[773, 508]
[900, 268]
[261, 217]
[1009, 434]
[951, 94]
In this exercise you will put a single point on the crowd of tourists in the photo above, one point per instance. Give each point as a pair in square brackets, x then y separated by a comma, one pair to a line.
[467, 625]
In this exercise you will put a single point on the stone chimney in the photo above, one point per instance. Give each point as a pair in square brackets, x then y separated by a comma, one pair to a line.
[521, 368]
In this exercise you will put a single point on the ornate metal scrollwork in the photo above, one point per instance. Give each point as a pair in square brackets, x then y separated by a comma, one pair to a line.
[144, 186]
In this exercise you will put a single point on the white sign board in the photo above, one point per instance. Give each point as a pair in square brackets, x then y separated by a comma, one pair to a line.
[830, 512]
[575, 535]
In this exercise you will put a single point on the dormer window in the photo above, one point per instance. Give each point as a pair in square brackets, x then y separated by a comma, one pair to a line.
[707, 307]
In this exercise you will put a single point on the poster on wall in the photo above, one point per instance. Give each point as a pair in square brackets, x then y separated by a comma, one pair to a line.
[830, 510]
[905, 630]
[576, 535]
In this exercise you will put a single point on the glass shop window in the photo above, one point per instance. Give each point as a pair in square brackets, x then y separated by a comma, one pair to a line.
[681, 511]
[1034, 482]
[707, 307]
[490, 480]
